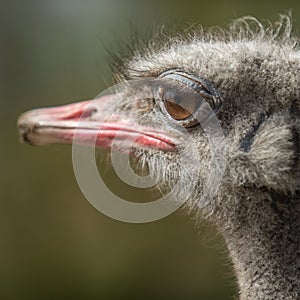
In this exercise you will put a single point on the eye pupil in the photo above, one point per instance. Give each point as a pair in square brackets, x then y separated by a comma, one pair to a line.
[176, 111]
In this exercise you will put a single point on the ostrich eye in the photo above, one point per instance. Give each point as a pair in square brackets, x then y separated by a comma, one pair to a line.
[184, 96]
[176, 111]
[180, 104]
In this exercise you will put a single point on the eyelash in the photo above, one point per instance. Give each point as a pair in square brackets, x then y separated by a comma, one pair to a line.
[196, 86]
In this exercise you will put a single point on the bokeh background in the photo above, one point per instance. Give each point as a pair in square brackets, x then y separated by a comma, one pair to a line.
[53, 243]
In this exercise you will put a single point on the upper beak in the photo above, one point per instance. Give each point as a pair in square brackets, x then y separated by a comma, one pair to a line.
[85, 119]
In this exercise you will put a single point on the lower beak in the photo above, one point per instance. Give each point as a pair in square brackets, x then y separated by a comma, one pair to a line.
[84, 119]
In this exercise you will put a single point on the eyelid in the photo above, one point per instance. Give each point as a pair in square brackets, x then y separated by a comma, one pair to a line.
[198, 85]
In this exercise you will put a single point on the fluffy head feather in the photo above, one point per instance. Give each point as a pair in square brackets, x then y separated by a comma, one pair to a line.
[256, 70]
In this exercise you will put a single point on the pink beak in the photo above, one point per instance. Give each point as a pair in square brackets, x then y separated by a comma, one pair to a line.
[59, 125]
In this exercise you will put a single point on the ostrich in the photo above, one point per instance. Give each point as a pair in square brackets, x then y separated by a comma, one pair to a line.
[249, 74]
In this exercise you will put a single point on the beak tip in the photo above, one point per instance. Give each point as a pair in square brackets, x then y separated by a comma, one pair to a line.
[23, 130]
[23, 136]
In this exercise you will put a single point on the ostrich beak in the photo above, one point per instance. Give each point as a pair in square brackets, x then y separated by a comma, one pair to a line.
[58, 125]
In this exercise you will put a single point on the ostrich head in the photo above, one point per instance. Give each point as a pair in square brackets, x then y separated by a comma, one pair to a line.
[250, 79]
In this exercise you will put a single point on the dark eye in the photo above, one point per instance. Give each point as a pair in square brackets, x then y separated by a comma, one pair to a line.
[188, 100]
[176, 111]
[180, 104]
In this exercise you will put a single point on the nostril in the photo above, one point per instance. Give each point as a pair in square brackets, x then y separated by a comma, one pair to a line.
[87, 113]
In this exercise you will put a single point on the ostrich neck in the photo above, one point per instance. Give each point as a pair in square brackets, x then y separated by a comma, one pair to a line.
[263, 237]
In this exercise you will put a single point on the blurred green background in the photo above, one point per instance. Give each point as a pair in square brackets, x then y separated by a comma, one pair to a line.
[53, 243]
